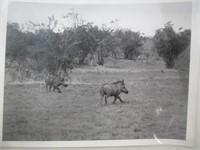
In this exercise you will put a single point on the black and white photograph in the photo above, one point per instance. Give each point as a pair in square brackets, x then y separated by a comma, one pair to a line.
[96, 72]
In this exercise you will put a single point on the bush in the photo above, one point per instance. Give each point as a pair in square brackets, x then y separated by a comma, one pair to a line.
[130, 43]
[183, 60]
[170, 44]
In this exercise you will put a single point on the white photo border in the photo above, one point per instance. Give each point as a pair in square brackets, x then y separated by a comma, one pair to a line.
[192, 95]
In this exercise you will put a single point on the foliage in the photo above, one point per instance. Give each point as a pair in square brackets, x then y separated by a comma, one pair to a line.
[18, 49]
[130, 43]
[170, 44]
[53, 49]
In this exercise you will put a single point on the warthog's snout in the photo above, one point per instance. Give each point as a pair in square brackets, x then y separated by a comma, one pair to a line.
[65, 85]
[125, 91]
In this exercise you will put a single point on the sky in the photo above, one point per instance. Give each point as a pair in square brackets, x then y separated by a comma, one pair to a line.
[146, 18]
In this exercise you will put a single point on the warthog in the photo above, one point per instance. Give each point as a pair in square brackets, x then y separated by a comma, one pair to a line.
[55, 82]
[113, 89]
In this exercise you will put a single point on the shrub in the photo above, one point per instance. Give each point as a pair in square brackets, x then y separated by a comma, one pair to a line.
[170, 44]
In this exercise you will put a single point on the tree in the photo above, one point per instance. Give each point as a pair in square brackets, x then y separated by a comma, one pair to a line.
[131, 42]
[170, 44]
[55, 48]
[18, 49]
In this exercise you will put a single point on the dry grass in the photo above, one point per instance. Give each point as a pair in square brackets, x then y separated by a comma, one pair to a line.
[156, 105]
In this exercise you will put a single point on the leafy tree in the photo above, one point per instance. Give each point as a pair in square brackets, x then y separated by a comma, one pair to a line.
[53, 47]
[46, 47]
[18, 48]
[131, 42]
[170, 44]
[93, 39]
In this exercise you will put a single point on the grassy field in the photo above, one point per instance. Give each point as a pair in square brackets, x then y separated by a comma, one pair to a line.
[155, 106]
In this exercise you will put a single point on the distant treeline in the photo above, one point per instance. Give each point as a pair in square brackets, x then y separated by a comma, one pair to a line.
[46, 47]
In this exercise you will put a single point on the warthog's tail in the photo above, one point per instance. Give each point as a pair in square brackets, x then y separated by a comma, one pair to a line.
[101, 95]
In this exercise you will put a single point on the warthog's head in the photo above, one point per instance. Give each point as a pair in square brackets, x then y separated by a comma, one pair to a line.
[63, 82]
[123, 88]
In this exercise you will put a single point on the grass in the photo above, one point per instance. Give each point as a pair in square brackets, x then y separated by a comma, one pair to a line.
[156, 105]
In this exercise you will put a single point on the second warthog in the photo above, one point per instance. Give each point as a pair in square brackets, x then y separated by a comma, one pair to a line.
[112, 89]
[54, 82]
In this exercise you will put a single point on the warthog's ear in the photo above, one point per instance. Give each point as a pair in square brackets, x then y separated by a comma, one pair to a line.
[122, 80]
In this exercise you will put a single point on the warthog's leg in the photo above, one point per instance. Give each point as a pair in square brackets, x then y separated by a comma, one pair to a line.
[120, 99]
[106, 99]
[46, 87]
[101, 99]
[102, 96]
[57, 89]
[115, 98]
[50, 88]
